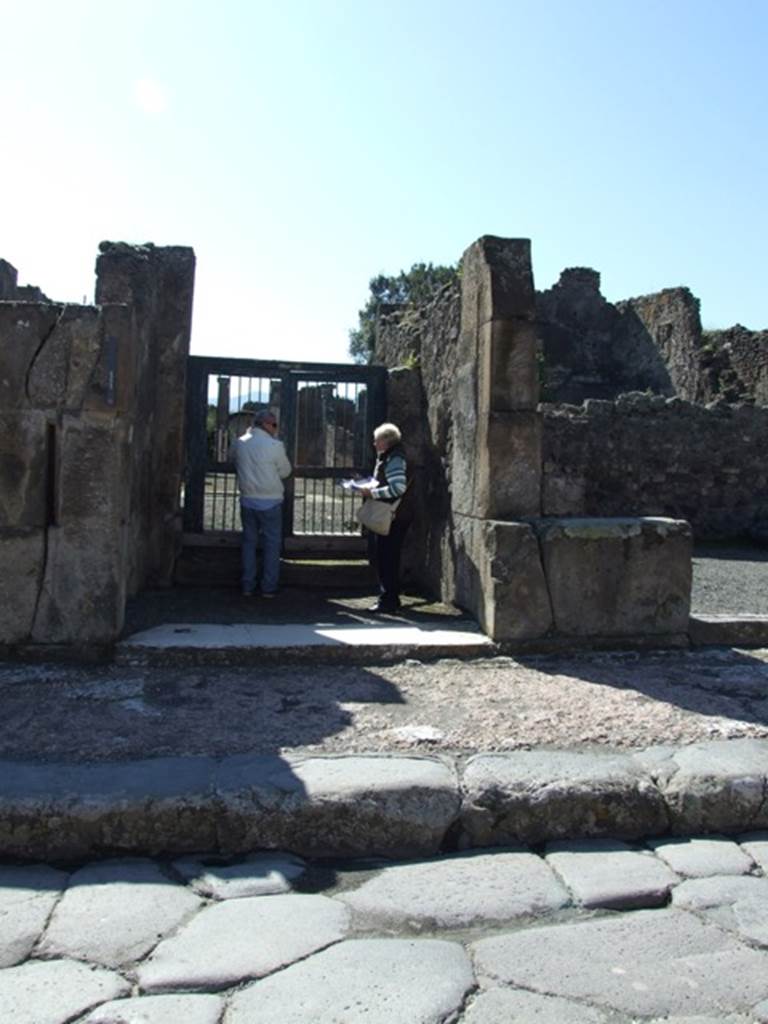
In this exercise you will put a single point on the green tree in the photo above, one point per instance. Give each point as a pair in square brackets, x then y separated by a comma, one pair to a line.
[409, 287]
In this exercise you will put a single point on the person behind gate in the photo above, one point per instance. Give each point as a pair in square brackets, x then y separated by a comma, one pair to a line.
[390, 472]
[261, 465]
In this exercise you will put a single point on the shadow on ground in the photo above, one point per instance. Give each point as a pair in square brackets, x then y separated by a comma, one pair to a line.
[292, 606]
[722, 683]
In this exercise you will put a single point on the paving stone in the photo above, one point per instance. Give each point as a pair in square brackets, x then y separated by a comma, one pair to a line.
[52, 812]
[752, 920]
[246, 938]
[713, 787]
[203, 1009]
[756, 845]
[760, 1013]
[458, 891]
[730, 1018]
[609, 874]
[363, 981]
[341, 806]
[702, 856]
[55, 991]
[115, 912]
[262, 874]
[535, 796]
[514, 1006]
[700, 893]
[650, 962]
[28, 894]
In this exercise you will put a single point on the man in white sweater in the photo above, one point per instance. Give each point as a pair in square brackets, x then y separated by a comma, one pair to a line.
[261, 465]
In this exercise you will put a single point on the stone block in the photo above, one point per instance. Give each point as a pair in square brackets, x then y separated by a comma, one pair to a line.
[111, 385]
[534, 796]
[23, 327]
[52, 812]
[114, 912]
[508, 473]
[23, 469]
[618, 577]
[65, 359]
[83, 598]
[464, 456]
[22, 555]
[500, 579]
[703, 856]
[660, 964]
[712, 787]
[238, 940]
[28, 894]
[509, 370]
[54, 991]
[459, 891]
[728, 630]
[337, 806]
[362, 981]
[497, 281]
[609, 874]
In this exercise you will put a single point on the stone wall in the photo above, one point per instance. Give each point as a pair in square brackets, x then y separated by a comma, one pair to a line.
[647, 455]
[734, 365]
[591, 348]
[84, 462]
[12, 291]
[550, 514]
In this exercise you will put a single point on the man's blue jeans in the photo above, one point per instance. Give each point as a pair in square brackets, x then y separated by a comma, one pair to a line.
[268, 525]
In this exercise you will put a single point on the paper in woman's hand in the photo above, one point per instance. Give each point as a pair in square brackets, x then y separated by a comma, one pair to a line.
[359, 484]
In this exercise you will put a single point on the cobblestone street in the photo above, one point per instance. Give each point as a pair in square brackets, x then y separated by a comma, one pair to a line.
[590, 932]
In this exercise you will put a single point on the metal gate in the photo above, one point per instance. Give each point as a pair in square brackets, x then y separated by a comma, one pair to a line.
[326, 414]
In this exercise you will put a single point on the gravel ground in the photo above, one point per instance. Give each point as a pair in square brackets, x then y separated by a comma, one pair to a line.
[599, 700]
[730, 579]
[613, 701]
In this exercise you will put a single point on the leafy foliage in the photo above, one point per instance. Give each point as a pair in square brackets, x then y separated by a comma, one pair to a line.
[409, 287]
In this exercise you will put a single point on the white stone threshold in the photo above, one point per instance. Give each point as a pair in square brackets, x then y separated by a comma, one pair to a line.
[242, 635]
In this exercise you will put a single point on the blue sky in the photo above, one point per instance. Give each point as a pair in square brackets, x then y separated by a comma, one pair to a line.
[301, 148]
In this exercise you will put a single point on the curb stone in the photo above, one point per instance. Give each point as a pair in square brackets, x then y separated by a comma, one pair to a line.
[378, 804]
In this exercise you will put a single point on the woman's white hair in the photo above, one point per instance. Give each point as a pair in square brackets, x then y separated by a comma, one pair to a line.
[387, 432]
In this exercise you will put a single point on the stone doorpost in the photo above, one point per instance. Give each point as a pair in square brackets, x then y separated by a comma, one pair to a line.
[497, 443]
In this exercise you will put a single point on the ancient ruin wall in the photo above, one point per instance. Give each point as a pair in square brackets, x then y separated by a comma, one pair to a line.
[734, 365]
[591, 348]
[646, 455]
[80, 451]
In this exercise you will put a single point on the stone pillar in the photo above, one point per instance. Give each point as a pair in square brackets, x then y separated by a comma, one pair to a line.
[158, 283]
[496, 469]
[497, 442]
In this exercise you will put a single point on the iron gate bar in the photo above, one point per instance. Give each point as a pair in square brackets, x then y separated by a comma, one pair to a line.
[289, 375]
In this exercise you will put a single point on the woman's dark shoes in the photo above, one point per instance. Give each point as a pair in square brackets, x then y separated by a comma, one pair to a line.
[385, 607]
